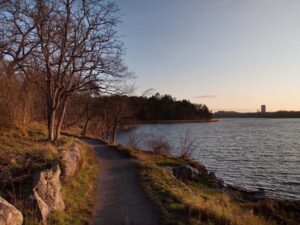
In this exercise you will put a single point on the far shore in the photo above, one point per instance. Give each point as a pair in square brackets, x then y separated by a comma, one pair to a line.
[178, 121]
[126, 128]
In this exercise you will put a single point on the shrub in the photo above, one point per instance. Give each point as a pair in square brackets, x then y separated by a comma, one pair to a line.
[159, 146]
[188, 145]
[134, 140]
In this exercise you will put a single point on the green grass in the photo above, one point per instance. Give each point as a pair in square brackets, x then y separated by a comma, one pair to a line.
[183, 202]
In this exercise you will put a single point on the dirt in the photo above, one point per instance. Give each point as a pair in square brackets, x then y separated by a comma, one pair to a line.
[120, 199]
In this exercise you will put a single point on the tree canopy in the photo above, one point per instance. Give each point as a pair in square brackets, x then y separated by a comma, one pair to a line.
[166, 107]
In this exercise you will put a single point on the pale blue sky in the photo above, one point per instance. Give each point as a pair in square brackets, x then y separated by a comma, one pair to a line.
[228, 54]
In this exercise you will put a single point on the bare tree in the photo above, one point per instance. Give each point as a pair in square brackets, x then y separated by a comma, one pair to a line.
[119, 110]
[18, 34]
[71, 45]
[159, 145]
[135, 140]
[188, 144]
[148, 92]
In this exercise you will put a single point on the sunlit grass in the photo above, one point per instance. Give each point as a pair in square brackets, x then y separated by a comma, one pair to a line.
[24, 151]
[78, 193]
[187, 202]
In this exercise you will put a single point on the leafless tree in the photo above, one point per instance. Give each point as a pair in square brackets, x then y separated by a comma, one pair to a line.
[188, 144]
[71, 45]
[159, 145]
[135, 140]
[119, 110]
[148, 92]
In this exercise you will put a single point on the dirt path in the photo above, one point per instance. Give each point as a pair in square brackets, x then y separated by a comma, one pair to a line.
[120, 198]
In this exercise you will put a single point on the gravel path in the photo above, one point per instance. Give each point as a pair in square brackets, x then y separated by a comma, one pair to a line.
[120, 198]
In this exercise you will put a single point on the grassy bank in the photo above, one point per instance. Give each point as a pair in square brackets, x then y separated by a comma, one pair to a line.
[24, 151]
[198, 202]
[78, 192]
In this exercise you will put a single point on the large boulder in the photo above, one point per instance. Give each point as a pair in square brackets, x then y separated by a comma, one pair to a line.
[47, 192]
[9, 215]
[71, 160]
[185, 172]
[196, 172]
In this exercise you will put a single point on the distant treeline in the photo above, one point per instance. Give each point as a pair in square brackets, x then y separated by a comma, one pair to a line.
[278, 114]
[166, 107]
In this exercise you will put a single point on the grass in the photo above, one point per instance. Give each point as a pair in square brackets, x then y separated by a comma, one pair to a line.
[25, 151]
[22, 147]
[184, 202]
[78, 193]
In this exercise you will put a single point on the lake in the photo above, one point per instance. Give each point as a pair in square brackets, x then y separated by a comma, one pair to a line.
[251, 153]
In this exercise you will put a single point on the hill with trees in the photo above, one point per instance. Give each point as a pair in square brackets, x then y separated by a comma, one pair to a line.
[277, 114]
[166, 107]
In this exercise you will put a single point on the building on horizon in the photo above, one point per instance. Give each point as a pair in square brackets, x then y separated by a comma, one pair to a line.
[263, 109]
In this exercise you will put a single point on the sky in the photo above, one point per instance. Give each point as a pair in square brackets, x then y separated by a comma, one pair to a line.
[227, 54]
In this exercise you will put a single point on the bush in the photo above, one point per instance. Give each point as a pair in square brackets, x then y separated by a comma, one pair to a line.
[188, 145]
[134, 140]
[159, 146]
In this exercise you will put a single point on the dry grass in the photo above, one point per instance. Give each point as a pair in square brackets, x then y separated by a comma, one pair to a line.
[25, 151]
[78, 193]
[18, 145]
[190, 202]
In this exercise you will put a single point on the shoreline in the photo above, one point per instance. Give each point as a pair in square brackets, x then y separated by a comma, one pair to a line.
[179, 121]
[187, 181]
[135, 123]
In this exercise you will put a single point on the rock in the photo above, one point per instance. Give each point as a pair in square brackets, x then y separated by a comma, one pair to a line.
[185, 172]
[215, 182]
[248, 194]
[197, 173]
[71, 160]
[255, 194]
[169, 171]
[9, 215]
[47, 192]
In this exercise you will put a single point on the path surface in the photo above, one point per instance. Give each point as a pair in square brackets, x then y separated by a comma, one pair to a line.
[120, 198]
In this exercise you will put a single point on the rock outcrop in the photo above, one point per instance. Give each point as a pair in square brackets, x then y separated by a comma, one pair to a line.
[196, 172]
[71, 160]
[9, 215]
[47, 192]
[247, 193]
[185, 172]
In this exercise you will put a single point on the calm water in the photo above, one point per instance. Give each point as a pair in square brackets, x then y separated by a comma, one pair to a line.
[251, 153]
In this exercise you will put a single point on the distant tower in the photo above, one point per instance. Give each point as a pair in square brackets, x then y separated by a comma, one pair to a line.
[263, 109]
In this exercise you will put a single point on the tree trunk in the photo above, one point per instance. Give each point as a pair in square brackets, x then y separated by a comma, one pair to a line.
[51, 124]
[61, 119]
[86, 125]
[114, 134]
[102, 131]
[88, 118]
[107, 133]
[96, 128]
